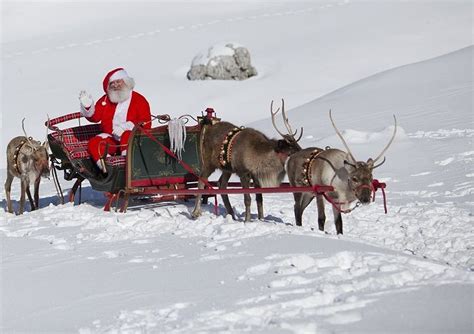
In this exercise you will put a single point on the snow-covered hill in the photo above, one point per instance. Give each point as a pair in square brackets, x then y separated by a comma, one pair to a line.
[433, 102]
[68, 268]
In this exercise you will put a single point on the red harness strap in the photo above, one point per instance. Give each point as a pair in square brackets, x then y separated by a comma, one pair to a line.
[181, 162]
[374, 186]
[337, 205]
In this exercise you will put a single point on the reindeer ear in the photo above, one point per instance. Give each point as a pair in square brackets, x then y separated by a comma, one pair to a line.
[349, 161]
[370, 163]
[282, 146]
[349, 164]
[46, 145]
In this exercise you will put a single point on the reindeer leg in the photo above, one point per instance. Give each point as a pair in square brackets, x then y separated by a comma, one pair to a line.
[22, 195]
[337, 220]
[37, 184]
[303, 202]
[297, 208]
[245, 181]
[8, 188]
[197, 206]
[223, 180]
[259, 199]
[321, 213]
[28, 193]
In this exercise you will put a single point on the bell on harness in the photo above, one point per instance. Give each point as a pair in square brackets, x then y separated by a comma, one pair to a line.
[209, 118]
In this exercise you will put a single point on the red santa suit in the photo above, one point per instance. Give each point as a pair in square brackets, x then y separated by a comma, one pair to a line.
[116, 119]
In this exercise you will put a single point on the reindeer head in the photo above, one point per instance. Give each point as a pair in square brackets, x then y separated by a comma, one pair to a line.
[359, 172]
[289, 144]
[360, 179]
[40, 158]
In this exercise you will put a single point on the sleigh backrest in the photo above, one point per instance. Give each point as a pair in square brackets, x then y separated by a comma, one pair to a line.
[76, 135]
[73, 140]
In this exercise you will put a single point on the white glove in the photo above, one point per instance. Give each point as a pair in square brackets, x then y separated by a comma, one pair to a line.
[117, 132]
[85, 99]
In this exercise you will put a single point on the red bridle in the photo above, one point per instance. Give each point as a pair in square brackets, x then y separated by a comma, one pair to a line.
[373, 187]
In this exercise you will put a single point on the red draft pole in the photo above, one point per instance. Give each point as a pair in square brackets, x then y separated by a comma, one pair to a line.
[316, 189]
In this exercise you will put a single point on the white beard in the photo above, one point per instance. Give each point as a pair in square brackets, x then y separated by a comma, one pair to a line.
[117, 96]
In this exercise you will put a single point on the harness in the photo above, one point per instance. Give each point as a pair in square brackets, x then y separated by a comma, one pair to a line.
[373, 186]
[307, 179]
[225, 154]
[307, 166]
[15, 156]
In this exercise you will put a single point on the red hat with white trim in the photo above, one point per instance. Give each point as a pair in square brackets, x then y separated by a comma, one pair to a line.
[118, 73]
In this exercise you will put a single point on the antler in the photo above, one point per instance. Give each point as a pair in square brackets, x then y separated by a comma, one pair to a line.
[27, 138]
[342, 138]
[47, 126]
[389, 143]
[46, 141]
[380, 164]
[291, 133]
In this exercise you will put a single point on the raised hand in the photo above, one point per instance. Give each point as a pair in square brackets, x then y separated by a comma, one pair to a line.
[85, 99]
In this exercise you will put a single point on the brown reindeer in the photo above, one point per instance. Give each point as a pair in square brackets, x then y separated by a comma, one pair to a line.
[28, 160]
[351, 179]
[249, 154]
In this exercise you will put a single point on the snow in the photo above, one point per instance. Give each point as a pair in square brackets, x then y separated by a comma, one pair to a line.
[203, 58]
[76, 268]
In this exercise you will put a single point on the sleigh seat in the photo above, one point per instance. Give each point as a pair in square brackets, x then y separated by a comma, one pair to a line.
[75, 140]
[69, 153]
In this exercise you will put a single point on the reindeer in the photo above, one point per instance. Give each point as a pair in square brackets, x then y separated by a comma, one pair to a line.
[28, 160]
[249, 154]
[351, 179]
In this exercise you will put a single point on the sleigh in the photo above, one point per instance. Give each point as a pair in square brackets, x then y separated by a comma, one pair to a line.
[149, 170]
[146, 168]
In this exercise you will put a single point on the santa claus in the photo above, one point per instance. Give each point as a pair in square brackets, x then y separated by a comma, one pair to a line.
[118, 111]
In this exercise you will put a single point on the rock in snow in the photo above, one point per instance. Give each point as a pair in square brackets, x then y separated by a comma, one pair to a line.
[222, 62]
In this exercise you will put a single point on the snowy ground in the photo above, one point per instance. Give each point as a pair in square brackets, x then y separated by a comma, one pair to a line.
[68, 268]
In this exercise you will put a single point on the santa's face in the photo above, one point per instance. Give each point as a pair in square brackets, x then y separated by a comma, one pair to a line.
[118, 91]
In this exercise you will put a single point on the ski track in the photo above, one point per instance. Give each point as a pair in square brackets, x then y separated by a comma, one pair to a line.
[178, 28]
[443, 134]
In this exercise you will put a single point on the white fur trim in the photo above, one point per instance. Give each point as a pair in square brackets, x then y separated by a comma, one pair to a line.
[129, 126]
[120, 74]
[104, 135]
[177, 134]
[120, 116]
[101, 164]
[129, 82]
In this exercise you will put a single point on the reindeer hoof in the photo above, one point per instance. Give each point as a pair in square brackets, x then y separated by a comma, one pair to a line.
[230, 215]
[196, 214]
